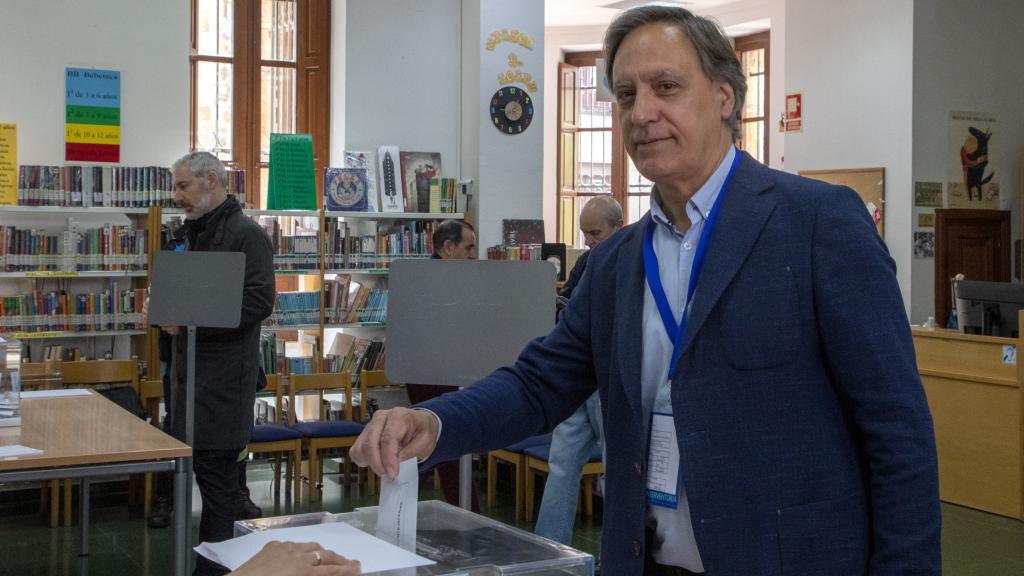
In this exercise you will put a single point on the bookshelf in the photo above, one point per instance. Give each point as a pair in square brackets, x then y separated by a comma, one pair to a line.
[340, 279]
[76, 275]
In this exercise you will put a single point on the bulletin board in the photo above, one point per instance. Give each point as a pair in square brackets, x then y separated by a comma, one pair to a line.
[869, 183]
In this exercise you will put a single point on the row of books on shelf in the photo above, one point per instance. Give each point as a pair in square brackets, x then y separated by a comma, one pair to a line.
[295, 251]
[348, 354]
[294, 309]
[353, 303]
[53, 353]
[36, 311]
[104, 186]
[389, 180]
[353, 355]
[518, 252]
[345, 249]
[349, 301]
[110, 247]
[85, 186]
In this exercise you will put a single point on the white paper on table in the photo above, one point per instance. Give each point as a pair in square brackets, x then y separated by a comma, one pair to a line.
[396, 514]
[374, 554]
[18, 450]
[55, 393]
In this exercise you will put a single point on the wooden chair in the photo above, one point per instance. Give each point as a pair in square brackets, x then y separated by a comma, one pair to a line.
[371, 379]
[41, 375]
[90, 373]
[151, 392]
[94, 372]
[323, 434]
[278, 437]
[514, 456]
[537, 462]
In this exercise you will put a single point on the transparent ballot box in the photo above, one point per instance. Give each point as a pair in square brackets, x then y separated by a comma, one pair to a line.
[461, 542]
[10, 382]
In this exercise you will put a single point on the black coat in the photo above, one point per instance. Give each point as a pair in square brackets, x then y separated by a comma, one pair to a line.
[227, 359]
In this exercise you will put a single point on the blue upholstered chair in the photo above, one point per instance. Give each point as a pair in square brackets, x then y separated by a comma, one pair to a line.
[513, 455]
[537, 457]
[321, 433]
[278, 437]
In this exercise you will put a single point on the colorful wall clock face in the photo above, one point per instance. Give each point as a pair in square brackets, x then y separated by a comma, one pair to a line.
[511, 110]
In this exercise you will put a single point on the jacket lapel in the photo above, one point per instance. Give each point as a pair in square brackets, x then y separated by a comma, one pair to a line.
[629, 312]
[744, 212]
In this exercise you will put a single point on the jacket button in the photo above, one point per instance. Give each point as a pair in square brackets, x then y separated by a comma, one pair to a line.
[637, 549]
[636, 467]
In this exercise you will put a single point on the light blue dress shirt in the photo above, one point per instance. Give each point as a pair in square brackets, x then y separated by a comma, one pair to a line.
[675, 252]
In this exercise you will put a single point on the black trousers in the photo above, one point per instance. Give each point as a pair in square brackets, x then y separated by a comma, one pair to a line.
[217, 477]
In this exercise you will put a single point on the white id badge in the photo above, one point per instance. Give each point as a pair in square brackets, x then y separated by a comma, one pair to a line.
[662, 462]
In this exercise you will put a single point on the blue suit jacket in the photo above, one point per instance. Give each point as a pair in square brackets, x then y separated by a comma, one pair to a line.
[805, 440]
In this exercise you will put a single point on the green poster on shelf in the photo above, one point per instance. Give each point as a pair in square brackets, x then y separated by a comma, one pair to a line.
[292, 183]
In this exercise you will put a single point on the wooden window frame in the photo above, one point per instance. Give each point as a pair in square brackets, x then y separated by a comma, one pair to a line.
[312, 86]
[618, 151]
[758, 41]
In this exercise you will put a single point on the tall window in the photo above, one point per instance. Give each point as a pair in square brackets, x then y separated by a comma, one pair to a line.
[260, 67]
[593, 160]
[752, 52]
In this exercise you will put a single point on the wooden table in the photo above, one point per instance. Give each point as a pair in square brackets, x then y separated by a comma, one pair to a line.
[89, 436]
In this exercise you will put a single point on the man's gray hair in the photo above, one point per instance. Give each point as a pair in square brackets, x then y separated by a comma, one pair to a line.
[199, 164]
[717, 57]
[610, 209]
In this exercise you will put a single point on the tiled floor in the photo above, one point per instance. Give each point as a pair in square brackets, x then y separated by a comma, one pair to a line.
[974, 543]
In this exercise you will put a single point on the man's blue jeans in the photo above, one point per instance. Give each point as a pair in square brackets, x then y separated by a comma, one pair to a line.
[572, 444]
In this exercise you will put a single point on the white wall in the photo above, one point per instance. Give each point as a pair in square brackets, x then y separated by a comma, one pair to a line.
[339, 20]
[853, 62]
[146, 40]
[401, 77]
[511, 183]
[968, 58]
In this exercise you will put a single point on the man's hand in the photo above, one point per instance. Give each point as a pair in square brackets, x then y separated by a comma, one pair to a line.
[172, 330]
[393, 436]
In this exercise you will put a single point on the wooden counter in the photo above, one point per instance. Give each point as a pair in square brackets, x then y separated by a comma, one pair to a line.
[974, 391]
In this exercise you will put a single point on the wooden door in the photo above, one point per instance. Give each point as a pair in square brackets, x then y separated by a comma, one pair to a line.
[975, 243]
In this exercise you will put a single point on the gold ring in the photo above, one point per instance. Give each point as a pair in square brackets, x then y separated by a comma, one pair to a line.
[316, 558]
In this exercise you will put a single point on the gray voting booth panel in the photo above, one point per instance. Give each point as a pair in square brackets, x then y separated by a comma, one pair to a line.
[197, 289]
[452, 322]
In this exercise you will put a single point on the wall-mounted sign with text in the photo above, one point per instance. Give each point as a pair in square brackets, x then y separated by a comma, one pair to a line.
[92, 116]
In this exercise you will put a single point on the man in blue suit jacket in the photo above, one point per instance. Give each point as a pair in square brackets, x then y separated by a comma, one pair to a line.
[762, 407]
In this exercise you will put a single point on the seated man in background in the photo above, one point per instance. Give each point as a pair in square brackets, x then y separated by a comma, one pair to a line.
[574, 440]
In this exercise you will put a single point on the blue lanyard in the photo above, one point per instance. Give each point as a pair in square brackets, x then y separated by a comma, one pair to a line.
[675, 332]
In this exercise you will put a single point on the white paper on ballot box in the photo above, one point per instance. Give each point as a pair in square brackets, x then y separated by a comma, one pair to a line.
[374, 554]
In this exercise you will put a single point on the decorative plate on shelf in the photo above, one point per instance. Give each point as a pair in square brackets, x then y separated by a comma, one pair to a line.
[511, 110]
[345, 189]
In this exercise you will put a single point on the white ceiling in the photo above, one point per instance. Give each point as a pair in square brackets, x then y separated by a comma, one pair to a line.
[595, 12]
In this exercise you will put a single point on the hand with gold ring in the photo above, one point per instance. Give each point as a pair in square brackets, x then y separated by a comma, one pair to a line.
[297, 559]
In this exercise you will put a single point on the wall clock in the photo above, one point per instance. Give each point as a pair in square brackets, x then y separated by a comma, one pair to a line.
[511, 110]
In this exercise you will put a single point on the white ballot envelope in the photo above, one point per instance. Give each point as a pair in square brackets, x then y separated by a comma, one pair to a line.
[396, 514]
